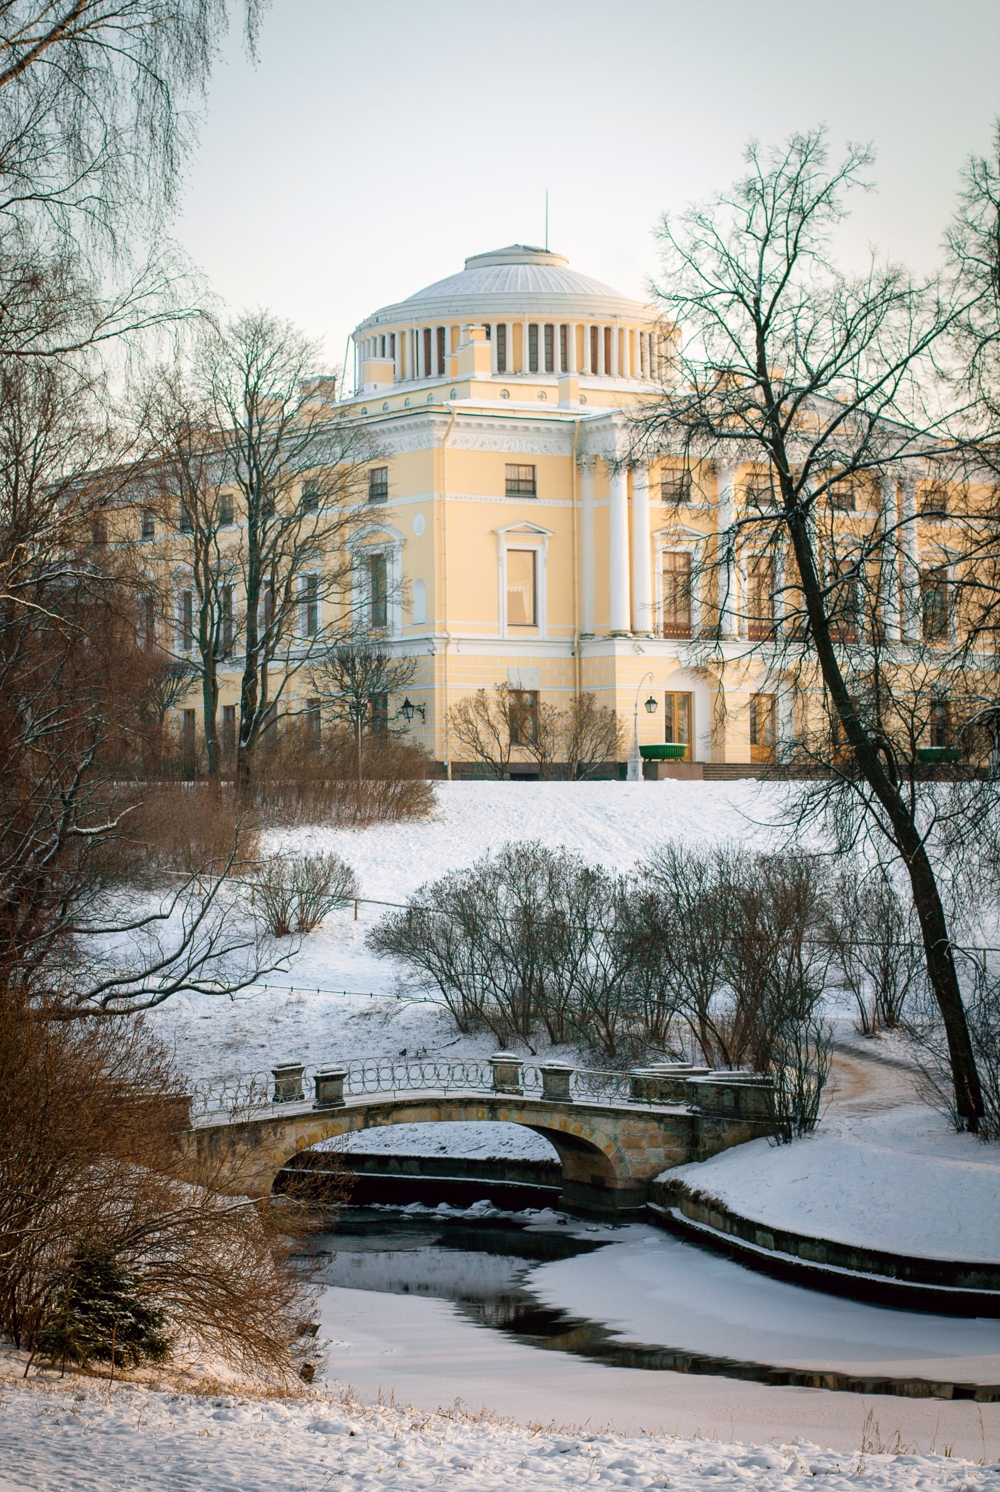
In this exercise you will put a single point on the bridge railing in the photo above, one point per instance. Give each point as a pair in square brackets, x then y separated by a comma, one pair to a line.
[249, 1094]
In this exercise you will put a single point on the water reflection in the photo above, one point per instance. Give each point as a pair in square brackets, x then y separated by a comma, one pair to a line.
[630, 1296]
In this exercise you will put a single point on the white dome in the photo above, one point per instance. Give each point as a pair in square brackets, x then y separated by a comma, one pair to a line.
[516, 281]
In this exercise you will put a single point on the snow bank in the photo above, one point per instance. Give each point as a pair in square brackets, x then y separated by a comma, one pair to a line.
[900, 1180]
[80, 1437]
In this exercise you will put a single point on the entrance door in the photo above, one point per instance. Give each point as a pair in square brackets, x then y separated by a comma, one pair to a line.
[677, 721]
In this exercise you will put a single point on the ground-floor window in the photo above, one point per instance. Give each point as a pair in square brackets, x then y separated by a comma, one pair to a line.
[763, 727]
[523, 717]
[677, 721]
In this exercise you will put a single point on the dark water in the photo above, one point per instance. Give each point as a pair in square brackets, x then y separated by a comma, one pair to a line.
[711, 1315]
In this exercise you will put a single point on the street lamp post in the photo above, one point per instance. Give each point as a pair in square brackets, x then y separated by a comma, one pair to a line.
[635, 760]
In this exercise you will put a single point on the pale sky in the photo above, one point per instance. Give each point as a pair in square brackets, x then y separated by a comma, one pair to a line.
[376, 144]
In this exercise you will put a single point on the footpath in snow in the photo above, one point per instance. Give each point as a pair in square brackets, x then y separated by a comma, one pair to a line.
[85, 1437]
[882, 1171]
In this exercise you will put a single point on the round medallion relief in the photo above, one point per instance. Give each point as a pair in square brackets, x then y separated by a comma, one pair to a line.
[419, 524]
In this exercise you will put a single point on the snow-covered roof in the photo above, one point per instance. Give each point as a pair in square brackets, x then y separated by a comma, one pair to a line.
[515, 281]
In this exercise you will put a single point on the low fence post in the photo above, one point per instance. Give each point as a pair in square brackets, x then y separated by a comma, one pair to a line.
[288, 1082]
[506, 1072]
[330, 1088]
[556, 1078]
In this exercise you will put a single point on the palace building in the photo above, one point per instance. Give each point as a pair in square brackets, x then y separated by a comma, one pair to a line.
[525, 547]
[509, 535]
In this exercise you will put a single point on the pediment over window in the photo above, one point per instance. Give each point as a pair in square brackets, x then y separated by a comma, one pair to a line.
[529, 530]
[681, 531]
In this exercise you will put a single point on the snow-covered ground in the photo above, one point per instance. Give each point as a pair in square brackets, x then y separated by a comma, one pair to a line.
[882, 1170]
[85, 1437]
[614, 823]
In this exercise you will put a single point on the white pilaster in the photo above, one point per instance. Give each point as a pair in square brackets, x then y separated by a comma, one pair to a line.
[890, 559]
[618, 551]
[726, 562]
[587, 464]
[910, 562]
[642, 576]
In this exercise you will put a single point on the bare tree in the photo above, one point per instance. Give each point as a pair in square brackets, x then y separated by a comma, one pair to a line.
[827, 383]
[591, 737]
[494, 724]
[297, 475]
[875, 944]
[354, 683]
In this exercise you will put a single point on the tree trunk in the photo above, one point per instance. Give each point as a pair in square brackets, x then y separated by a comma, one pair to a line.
[906, 834]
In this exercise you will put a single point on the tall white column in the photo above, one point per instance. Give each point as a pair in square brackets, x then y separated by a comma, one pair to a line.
[726, 563]
[587, 464]
[642, 578]
[618, 551]
[910, 559]
[889, 570]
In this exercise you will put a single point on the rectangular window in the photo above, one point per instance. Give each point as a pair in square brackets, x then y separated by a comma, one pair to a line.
[940, 723]
[523, 717]
[763, 727]
[148, 524]
[184, 523]
[501, 347]
[310, 496]
[595, 366]
[677, 721]
[187, 733]
[933, 500]
[229, 727]
[186, 621]
[759, 492]
[607, 350]
[521, 481]
[564, 349]
[147, 615]
[226, 619]
[675, 486]
[521, 588]
[676, 595]
[378, 591]
[844, 603]
[312, 719]
[310, 606]
[550, 349]
[843, 496]
[935, 605]
[760, 597]
[379, 714]
[225, 508]
[378, 484]
[427, 352]
[440, 342]
[532, 349]
[99, 532]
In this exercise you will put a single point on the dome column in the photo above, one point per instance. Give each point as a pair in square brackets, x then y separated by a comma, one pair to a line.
[618, 550]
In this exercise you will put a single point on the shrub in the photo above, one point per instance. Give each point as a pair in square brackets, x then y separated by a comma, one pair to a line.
[296, 892]
[92, 1168]
[97, 1312]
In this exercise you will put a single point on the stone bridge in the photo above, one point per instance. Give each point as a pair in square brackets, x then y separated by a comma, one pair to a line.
[613, 1132]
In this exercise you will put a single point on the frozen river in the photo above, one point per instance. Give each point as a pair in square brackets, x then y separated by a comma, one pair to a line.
[552, 1319]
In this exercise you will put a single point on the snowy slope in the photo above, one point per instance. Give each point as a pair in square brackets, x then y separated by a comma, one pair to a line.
[83, 1437]
[900, 1180]
[614, 823]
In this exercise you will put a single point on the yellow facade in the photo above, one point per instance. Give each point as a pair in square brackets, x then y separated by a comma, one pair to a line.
[524, 545]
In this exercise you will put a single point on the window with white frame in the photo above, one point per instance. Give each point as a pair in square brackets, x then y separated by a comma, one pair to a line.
[522, 588]
[310, 605]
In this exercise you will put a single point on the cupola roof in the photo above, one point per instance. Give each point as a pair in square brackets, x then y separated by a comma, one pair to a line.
[518, 280]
